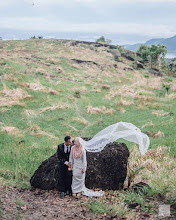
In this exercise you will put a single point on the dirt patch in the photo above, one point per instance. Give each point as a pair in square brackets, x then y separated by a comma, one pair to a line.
[29, 204]
[38, 204]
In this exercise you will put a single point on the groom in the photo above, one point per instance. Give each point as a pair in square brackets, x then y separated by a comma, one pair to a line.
[65, 176]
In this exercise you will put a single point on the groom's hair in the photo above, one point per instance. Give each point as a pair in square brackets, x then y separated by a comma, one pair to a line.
[67, 138]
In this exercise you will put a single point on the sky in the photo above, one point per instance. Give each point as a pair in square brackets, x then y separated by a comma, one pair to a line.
[152, 18]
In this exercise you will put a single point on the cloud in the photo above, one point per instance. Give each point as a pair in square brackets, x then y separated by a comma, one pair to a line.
[104, 2]
[46, 23]
[10, 3]
[138, 17]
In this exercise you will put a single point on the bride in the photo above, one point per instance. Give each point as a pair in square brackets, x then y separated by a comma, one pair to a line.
[113, 132]
[78, 166]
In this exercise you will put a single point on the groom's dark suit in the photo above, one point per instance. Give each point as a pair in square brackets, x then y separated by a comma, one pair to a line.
[65, 176]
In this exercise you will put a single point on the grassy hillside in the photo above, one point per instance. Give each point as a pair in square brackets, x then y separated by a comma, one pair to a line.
[47, 93]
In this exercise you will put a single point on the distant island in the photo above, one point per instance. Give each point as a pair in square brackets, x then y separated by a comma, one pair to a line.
[169, 42]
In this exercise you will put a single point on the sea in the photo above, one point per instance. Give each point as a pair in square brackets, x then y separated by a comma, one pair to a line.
[170, 55]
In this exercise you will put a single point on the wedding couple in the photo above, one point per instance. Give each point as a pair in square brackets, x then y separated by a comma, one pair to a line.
[72, 166]
[72, 161]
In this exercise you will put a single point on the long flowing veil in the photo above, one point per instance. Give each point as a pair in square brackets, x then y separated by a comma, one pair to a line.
[112, 133]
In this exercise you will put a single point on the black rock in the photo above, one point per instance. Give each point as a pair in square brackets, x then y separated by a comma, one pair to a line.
[139, 66]
[106, 169]
[130, 58]
[155, 71]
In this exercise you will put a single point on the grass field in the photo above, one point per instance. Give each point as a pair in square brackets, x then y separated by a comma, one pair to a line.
[45, 95]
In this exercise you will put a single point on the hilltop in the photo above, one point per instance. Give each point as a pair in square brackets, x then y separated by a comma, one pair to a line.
[52, 88]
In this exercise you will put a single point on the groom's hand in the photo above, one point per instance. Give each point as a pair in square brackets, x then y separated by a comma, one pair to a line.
[83, 171]
[69, 164]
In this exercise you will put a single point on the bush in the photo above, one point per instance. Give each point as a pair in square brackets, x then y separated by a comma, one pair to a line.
[103, 40]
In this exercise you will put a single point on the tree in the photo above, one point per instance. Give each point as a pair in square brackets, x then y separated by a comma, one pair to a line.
[103, 40]
[34, 37]
[154, 54]
[144, 51]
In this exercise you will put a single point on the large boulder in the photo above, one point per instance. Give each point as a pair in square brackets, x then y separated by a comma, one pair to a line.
[116, 53]
[106, 169]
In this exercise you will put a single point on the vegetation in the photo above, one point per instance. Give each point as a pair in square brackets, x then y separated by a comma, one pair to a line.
[154, 54]
[45, 95]
[34, 37]
[103, 40]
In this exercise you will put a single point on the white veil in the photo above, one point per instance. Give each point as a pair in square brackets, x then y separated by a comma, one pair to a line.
[113, 132]
[110, 134]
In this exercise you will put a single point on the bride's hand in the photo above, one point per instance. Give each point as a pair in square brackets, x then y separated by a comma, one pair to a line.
[83, 171]
[70, 169]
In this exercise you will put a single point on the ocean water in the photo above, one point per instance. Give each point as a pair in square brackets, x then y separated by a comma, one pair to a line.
[170, 55]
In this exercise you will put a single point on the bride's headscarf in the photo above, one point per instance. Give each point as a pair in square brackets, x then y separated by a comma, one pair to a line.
[77, 149]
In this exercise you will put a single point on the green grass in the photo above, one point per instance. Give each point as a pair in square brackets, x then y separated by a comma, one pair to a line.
[22, 153]
[101, 207]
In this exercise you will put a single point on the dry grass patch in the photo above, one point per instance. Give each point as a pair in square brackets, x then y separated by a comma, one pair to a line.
[36, 86]
[4, 109]
[81, 89]
[141, 106]
[155, 134]
[81, 120]
[125, 90]
[96, 110]
[125, 102]
[148, 124]
[36, 130]
[160, 113]
[145, 98]
[152, 82]
[9, 97]
[173, 87]
[122, 110]
[62, 106]
[53, 92]
[31, 113]
[159, 169]
[11, 130]
[171, 96]
[105, 86]
[10, 77]
[159, 134]
[96, 90]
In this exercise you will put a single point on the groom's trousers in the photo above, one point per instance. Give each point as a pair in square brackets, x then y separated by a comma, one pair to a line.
[65, 177]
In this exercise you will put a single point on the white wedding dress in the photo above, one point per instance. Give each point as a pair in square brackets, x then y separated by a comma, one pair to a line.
[78, 179]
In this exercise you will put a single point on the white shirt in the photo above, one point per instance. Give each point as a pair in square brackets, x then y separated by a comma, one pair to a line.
[65, 150]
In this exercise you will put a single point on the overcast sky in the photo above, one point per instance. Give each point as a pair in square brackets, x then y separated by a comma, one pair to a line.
[155, 18]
